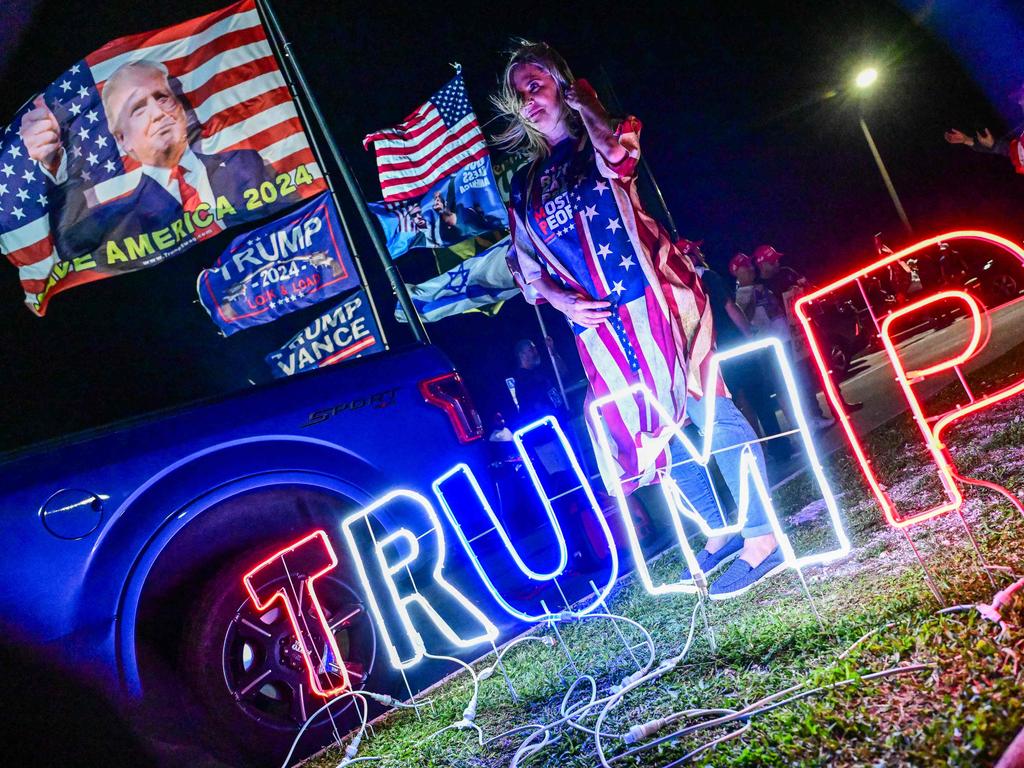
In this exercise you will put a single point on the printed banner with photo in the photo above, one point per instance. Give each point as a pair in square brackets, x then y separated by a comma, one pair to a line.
[147, 146]
[293, 262]
[455, 208]
[343, 333]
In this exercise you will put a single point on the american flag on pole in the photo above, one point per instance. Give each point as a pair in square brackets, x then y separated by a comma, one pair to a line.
[102, 211]
[433, 142]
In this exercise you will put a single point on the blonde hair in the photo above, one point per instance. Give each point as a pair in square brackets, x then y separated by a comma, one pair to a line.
[520, 134]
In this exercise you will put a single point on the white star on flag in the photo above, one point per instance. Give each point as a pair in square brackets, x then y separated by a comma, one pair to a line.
[590, 212]
[18, 213]
[76, 151]
[618, 289]
[613, 225]
[92, 158]
[101, 140]
[600, 187]
[75, 69]
[91, 114]
[65, 86]
[83, 92]
[22, 195]
[3, 189]
[109, 166]
[29, 175]
[604, 251]
[75, 109]
[41, 200]
[7, 170]
[83, 134]
[14, 151]
[627, 262]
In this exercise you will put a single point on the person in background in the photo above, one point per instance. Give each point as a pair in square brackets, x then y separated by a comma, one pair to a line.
[743, 376]
[1010, 146]
[535, 389]
[583, 242]
[764, 311]
[789, 285]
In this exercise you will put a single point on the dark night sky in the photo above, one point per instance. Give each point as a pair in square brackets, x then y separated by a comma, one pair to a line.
[738, 132]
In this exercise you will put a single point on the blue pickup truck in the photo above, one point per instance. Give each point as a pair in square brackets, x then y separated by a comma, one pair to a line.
[125, 546]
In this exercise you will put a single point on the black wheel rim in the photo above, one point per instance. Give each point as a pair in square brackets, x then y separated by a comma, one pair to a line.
[263, 669]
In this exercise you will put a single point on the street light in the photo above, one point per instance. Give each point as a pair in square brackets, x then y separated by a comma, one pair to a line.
[864, 80]
[866, 77]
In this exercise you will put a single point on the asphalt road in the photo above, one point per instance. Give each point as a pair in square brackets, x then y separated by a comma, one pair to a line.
[873, 381]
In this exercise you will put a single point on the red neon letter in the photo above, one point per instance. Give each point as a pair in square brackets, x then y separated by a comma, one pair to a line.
[274, 580]
[907, 379]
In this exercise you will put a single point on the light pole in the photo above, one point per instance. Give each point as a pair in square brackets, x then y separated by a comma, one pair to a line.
[864, 80]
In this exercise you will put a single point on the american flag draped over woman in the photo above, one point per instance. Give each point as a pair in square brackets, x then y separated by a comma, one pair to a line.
[583, 242]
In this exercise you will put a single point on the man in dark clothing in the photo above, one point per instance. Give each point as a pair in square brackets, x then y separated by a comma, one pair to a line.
[788, 285]
[535, 390]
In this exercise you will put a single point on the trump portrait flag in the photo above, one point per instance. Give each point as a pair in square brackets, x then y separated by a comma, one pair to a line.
[147, 146]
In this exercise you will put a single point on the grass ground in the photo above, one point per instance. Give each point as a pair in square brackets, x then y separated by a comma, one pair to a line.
[962, 710]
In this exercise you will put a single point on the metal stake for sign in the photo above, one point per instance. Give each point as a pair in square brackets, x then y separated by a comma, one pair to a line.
[558, 636]
[920, 560]
[970, 534]
[985, 566]
[301, 88]
[504, 673]
[927, 574]
[615, 626]
[708, 629]
[810, 599]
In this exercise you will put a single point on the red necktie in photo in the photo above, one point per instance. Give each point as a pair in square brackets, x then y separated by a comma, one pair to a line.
[189, 196]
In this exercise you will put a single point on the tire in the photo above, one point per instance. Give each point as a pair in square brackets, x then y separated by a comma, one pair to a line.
[248, 677]
[1003, 287]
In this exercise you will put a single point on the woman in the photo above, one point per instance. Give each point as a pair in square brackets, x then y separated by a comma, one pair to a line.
[583, 242]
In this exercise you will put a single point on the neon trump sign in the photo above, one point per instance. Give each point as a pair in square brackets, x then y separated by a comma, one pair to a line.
[931, 427]
[679, 505]
[403, 566]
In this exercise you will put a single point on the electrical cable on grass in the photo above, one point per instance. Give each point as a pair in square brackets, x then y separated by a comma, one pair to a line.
[356, 696]
[469, 713]
[380, 698]
[570, 714]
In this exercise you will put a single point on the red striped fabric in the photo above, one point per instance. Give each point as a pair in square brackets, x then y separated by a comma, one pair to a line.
[439, 137]
[172, 34]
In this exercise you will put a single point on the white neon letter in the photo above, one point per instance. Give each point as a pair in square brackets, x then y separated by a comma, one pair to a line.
[446, 608]
[679, 505]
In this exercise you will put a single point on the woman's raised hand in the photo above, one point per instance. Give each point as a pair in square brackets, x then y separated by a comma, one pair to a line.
[581, 95]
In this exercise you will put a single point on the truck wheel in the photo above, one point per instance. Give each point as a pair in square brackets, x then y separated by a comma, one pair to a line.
[249, 677]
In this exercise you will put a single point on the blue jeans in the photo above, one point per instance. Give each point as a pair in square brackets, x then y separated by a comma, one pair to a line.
[731, 428]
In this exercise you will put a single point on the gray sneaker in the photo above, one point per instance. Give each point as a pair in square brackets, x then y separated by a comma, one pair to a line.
[741, 576]
[712, 562]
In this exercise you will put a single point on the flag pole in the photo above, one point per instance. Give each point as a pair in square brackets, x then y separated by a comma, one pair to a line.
[551, 356]
[346, 230]
[643, 161]
[290, 62]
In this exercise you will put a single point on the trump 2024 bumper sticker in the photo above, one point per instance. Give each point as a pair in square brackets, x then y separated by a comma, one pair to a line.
[291, 263]
[342, 333]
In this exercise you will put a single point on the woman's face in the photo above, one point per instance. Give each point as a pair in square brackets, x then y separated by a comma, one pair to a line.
[542, 102]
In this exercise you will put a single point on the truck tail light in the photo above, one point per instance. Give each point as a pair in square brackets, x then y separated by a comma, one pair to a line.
[449, 393]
